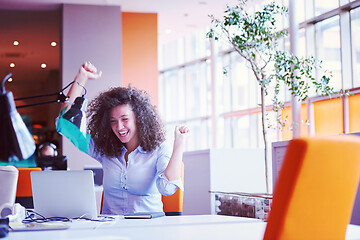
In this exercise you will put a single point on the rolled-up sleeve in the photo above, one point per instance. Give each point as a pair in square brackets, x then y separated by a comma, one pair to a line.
[165, 186]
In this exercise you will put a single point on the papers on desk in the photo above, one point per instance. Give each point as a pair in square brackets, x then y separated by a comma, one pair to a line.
[144, 215]
[34, 226]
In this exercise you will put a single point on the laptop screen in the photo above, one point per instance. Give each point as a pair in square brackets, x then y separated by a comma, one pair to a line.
[68, 194]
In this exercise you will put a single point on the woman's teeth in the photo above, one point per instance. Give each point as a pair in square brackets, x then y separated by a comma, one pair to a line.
[123, 133]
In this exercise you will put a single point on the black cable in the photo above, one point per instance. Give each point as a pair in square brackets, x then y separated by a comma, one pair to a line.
[32, 216]
[85, 91]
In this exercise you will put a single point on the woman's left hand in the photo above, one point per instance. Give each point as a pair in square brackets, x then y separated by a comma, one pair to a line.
[182, 132]
[173, 170]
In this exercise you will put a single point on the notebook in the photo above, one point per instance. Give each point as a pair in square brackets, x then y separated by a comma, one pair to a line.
[68, 194]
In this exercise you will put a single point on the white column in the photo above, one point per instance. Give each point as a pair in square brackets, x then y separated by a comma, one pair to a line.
[214, 115]
[293, 32]
[346, 64]
[99, 44]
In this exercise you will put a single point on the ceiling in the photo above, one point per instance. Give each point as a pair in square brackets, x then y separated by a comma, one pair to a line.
[28, 27]
[181, 17]
[175, 19]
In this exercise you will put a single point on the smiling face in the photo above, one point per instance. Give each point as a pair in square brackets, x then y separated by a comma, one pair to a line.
[123, 124]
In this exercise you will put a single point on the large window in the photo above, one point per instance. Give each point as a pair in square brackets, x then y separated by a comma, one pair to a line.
[323, 6]
[219, 100]
[328, 48]
[355, 36]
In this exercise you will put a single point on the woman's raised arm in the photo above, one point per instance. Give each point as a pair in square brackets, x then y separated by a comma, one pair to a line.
[87, 71]
[173, 170]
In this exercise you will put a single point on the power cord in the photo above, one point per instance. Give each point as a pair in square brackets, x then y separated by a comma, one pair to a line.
[32, 216]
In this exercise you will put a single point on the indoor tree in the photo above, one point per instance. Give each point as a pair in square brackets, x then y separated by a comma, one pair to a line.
[255, 37]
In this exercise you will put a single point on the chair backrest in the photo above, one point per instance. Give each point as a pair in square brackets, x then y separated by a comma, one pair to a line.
[172, 205]
[24, 190]
[316, 188]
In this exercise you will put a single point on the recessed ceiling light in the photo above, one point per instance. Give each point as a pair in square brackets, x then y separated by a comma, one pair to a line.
[43, 65]
[10, 80]
[53, 44]
[12, 65]
[16, 43]
[168, 31]
[202, 2]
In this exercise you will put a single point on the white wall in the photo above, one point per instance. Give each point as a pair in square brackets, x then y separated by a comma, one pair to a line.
[220, 170]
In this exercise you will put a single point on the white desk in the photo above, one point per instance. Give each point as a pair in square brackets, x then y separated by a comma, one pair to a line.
[174, 228]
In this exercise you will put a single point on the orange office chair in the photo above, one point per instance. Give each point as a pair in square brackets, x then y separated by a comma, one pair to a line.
[316, 188]
[172, 205]
[24, 191]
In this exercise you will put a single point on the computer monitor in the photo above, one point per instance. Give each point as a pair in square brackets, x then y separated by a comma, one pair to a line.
[52, 162]
[278, 153]
[98, 174]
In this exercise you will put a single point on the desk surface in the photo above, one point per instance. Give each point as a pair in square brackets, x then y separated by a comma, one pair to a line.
[175, 227]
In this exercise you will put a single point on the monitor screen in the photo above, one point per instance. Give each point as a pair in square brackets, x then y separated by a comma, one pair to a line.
[52, 163]
[98, 174]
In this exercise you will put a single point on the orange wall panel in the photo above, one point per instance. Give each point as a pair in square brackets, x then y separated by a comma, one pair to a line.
[328, 115]
[140, 53]
[354, 113]
[287, 133]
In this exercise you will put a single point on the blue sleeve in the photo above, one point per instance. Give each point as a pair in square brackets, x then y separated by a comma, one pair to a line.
[92, 153]
[165, 186]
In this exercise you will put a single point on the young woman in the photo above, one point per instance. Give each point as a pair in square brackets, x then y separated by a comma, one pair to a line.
[128, 139]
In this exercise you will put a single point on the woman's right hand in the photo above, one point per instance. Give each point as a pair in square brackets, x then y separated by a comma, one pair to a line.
[87, 71]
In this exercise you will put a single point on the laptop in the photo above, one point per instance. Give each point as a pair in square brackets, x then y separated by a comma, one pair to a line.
[60, 193]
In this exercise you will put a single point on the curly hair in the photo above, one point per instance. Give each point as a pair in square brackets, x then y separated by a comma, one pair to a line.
[150, 128]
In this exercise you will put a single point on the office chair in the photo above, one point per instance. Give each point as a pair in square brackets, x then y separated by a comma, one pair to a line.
[172, 205]
[315, 191]
[24, 190]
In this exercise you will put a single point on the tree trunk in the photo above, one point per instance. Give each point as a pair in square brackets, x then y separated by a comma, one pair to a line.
[263, 123]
